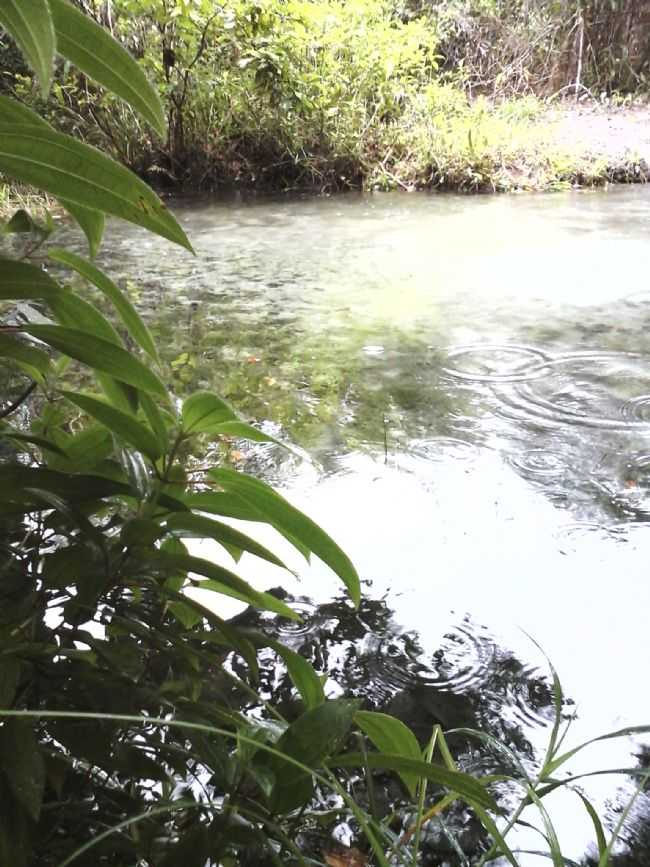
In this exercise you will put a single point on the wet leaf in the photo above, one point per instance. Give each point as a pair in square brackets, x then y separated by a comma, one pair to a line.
[391, 735]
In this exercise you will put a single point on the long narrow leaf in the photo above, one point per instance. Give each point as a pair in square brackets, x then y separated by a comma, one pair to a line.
[222, 581]
[98, 55]
[126, 311]
[100, 355]
[30, 24]
[79, 173]
[19, 280]
[199, 525]
[120, 423]
[467, 787]
[90, 220]
[284, 517]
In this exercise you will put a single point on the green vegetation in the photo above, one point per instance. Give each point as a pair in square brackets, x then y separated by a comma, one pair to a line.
[124, 736]
[379, 94]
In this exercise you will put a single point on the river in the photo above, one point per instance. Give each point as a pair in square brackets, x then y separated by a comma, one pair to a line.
[468, 383]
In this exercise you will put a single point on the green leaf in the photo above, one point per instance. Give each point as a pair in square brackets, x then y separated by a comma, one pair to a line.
[243, 431]
[287, 519]
[95, 52]
[19, 280]
[10, 669]
[222, 581]
[18, 350]
[89, 447]
[232, 506]
[80, 174]
[17, 480]
[203, 410]
[199, 525]
[301, 672]
[467, 787]
[124, 426]
[90, 222]
[41, 442]
[22, 764]
[390, 735]
[30, 24]
[155, 419]
[314, 736]
[20, 223]
[595, 820]
[74, 312]
[100, 355]
[126, 311]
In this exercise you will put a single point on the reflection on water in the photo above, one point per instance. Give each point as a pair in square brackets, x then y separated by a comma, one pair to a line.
[470, 379]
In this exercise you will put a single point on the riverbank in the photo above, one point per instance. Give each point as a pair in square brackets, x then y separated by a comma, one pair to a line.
[455, 145]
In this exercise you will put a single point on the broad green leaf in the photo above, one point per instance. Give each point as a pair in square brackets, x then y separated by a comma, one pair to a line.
[126, 311]
[391, 735]
[208, 528]
[79, 173]
[89, 447]
[98, 55]
[314, 736]
[30, 24]
[90, 220]
[221, 580]
[301, 672]
[74, 312]
[18, 350]
[19, 280]
[22, 764]
[284, 517]
[100, 355]
[203, 410]
[124, 426]
[465, 786]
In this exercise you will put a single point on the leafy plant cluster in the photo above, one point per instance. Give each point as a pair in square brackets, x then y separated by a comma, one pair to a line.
[131, 728]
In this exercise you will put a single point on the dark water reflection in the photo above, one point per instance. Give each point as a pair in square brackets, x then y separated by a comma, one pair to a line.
[470, 379]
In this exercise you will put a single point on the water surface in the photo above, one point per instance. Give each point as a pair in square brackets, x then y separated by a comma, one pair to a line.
[469, 381]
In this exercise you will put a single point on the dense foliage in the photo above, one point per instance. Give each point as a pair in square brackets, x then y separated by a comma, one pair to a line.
[131, 725]
[373, 93]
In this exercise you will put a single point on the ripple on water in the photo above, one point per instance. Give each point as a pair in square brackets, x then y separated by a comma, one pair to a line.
[442, 449]
[637, 409]
[308, 623]
[540, 463]
[574, 537]
[587, 389]
[459, 663]
[529, 699]
[482, 362]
